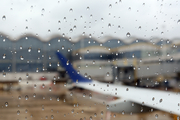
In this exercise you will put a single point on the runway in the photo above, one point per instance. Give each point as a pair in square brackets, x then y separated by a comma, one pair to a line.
[60, 104]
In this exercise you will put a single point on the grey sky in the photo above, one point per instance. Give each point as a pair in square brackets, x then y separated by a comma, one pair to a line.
[156, 18]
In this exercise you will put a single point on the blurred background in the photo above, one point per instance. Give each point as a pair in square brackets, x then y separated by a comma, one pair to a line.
[135, 43]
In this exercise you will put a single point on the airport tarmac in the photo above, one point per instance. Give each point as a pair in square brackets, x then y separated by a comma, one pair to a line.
[59, 104]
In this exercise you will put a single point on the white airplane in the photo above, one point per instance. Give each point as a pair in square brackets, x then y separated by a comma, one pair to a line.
[131, 99]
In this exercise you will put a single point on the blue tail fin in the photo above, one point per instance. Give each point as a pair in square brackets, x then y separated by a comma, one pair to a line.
[71, 71]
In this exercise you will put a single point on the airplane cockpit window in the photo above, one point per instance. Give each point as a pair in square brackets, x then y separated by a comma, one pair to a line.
[90, 60]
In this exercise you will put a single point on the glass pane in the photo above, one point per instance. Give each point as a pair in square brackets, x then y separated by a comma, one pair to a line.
[88, 60]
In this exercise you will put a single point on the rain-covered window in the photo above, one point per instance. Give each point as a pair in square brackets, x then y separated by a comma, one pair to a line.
[88, 60]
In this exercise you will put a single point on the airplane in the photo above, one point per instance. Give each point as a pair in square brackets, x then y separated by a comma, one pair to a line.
[131, 99]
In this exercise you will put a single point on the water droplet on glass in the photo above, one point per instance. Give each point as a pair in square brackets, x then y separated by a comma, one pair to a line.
[90, 96]
[90, 118]
[18, 112]
[54, 82]
[90, 35]
[6, 104]
[147, 67]
[80, 57]
[50, 89]
[71, 30]
[4, 56]
[107, 74]
[82, 111]
[37, 70]
[4, 74]
[72, 111]
[27, 75]
[21, 58]
[123, 112]
[4, 40]
[35, 85]
[110, 6]
[109, 25]
[19, 97]
[139, 27]
[91, 16]
[74, 27]
[87, 8]
[102, 113]
[132, 104]
[34, 95]
[71, 93]
[69, 50]
[29, 49]
[20, 79]
[26, 27]
[107, 106]
[128, 34]
[64, 19]
[153, 99]
[171, 59]
[62, 47]
[71, 10]
[43, 85]
[178, 22]
[42, 107]
[26, 111]
[156, 116]
[84, 95]
[50, 98]
[26, 97]
[52, 117]
[3, 17]
[39, 50]
[67, 63]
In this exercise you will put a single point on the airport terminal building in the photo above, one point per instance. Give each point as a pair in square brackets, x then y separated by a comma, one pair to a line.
[109, 61]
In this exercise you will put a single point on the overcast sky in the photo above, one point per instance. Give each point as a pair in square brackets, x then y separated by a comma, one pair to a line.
[141, 18]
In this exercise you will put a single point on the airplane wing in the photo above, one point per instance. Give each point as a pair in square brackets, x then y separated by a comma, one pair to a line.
[132, 99]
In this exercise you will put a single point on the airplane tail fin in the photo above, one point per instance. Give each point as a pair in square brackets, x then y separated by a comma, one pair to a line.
[73, 74]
